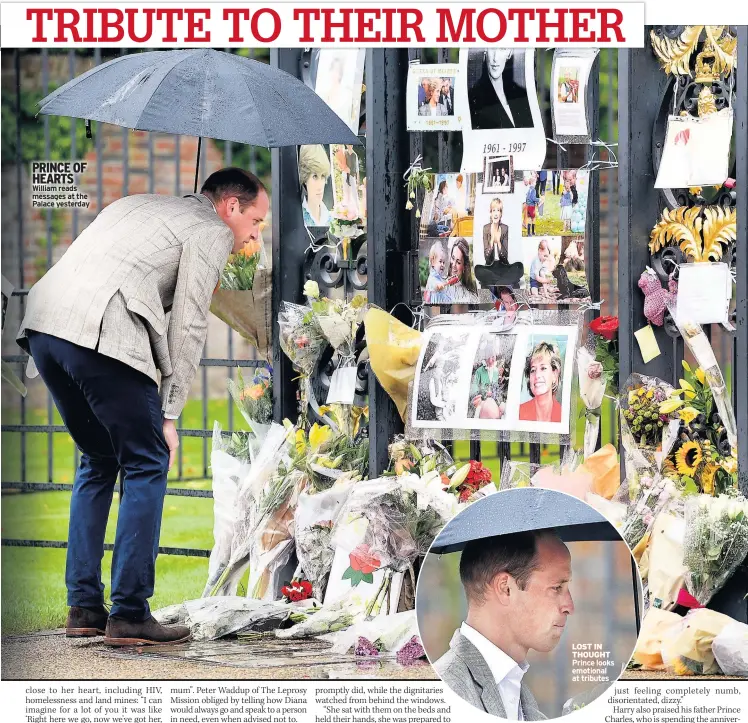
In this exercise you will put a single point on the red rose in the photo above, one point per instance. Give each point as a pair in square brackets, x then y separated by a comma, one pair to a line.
[362, 559]
[605, 326]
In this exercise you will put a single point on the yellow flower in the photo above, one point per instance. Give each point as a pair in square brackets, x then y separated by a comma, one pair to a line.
[685, 365]
[670, 405]
[688, 458]
[319, 435]
[707, 477]
[685, 385]
[700, 375]
[688, 414]
[650, 394]
[300, 441]
[689, 395]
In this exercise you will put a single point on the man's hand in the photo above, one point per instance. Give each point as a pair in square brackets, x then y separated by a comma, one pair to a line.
[172, 439]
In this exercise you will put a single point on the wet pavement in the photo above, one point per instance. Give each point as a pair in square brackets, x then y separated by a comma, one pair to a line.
[50, 655]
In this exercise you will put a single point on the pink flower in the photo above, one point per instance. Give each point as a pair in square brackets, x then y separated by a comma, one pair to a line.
[595, 370]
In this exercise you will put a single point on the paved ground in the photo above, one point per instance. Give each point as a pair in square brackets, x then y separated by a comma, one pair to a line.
[50, 655]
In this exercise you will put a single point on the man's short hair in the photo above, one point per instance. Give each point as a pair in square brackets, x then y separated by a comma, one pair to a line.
[233, 182]
[515, 554]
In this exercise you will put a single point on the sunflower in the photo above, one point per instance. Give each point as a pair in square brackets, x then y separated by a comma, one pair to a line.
[688, 458]
[668, 468]
[708, 473]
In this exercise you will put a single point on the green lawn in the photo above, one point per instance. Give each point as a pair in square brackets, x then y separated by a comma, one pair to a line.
[550, 223]
[33, 586]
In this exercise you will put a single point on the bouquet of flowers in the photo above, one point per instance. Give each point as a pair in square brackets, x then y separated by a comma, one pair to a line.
[419, 458]
[243, 298]
[301, 338]
[649, 496]
[716, 542]
[263, 505]
[315, 516]
[339, 320]
[254, 400]
[648, 430]
[701, 457]
[396, 531]
[467, 480]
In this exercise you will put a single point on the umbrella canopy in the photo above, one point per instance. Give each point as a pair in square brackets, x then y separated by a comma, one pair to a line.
[203, 93]
[520, 510]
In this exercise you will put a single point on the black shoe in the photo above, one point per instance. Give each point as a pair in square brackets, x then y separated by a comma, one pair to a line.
[86, 622]
[120, 631]
[499, 274]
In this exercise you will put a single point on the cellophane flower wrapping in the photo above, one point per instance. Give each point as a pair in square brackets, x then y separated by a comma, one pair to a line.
[396, 530]
[647, 435]
[315, 516]
[716, 542]
[252, 507]
[301, 337]
[230, 466]
[592, 390]
[700, 346]
[253, 397]
[730, 649]
[651, 493]
[216, 617]
[383, 636]
[330, 618]
[687, 650]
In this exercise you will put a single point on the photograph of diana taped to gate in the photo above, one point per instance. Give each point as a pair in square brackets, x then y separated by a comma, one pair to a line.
[528, 604]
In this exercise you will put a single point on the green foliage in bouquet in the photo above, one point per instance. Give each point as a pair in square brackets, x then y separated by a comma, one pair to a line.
[239, 272]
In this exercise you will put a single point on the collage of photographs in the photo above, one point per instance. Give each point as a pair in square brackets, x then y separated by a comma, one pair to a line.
[521, 230]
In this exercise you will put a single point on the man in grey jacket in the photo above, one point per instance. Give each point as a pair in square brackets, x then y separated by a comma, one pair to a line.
[97, 327]
[517, 588]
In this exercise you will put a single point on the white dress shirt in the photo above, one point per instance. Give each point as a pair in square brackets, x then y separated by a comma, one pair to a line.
[506, 672]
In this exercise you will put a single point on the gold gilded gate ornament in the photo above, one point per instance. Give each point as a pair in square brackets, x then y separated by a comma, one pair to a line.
[717, 57]
[700, 231]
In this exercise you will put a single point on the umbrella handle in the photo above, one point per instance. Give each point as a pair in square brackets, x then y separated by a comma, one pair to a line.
[197, 164]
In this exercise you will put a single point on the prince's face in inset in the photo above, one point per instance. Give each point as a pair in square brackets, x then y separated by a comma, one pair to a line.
[545, 603]
[496, 60]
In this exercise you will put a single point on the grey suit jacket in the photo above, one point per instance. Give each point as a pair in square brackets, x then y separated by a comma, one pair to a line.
[466, 672]
[140, 257]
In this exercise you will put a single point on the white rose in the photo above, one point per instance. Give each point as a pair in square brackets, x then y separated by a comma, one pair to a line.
[311, 289]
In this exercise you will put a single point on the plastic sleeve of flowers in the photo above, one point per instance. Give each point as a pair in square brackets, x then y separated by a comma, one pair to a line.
[389, 633]
[730, 649]
[172, 614]
[228, 473]
[247, 502]
[300, 337]
[701, 348]
[254, 402]
[216, 617]
[273, 536]
[515, 474]
[715, 543]
[329, 619]
[638, 457]
[388, 513]
[339, 323]
[314, 518]
[651, 496]
[591, 392]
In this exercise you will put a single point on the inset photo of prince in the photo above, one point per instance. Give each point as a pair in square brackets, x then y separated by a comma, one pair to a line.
[528, 604]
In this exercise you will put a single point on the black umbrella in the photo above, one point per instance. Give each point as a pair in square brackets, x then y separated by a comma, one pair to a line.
[521, 510]
[202, 93]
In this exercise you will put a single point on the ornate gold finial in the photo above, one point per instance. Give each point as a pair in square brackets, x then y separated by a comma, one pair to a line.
[700, 232]
[720, 47]
[706, 102]
[706, 62]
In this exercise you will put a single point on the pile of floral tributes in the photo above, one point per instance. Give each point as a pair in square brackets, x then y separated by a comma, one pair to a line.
[305, 544]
